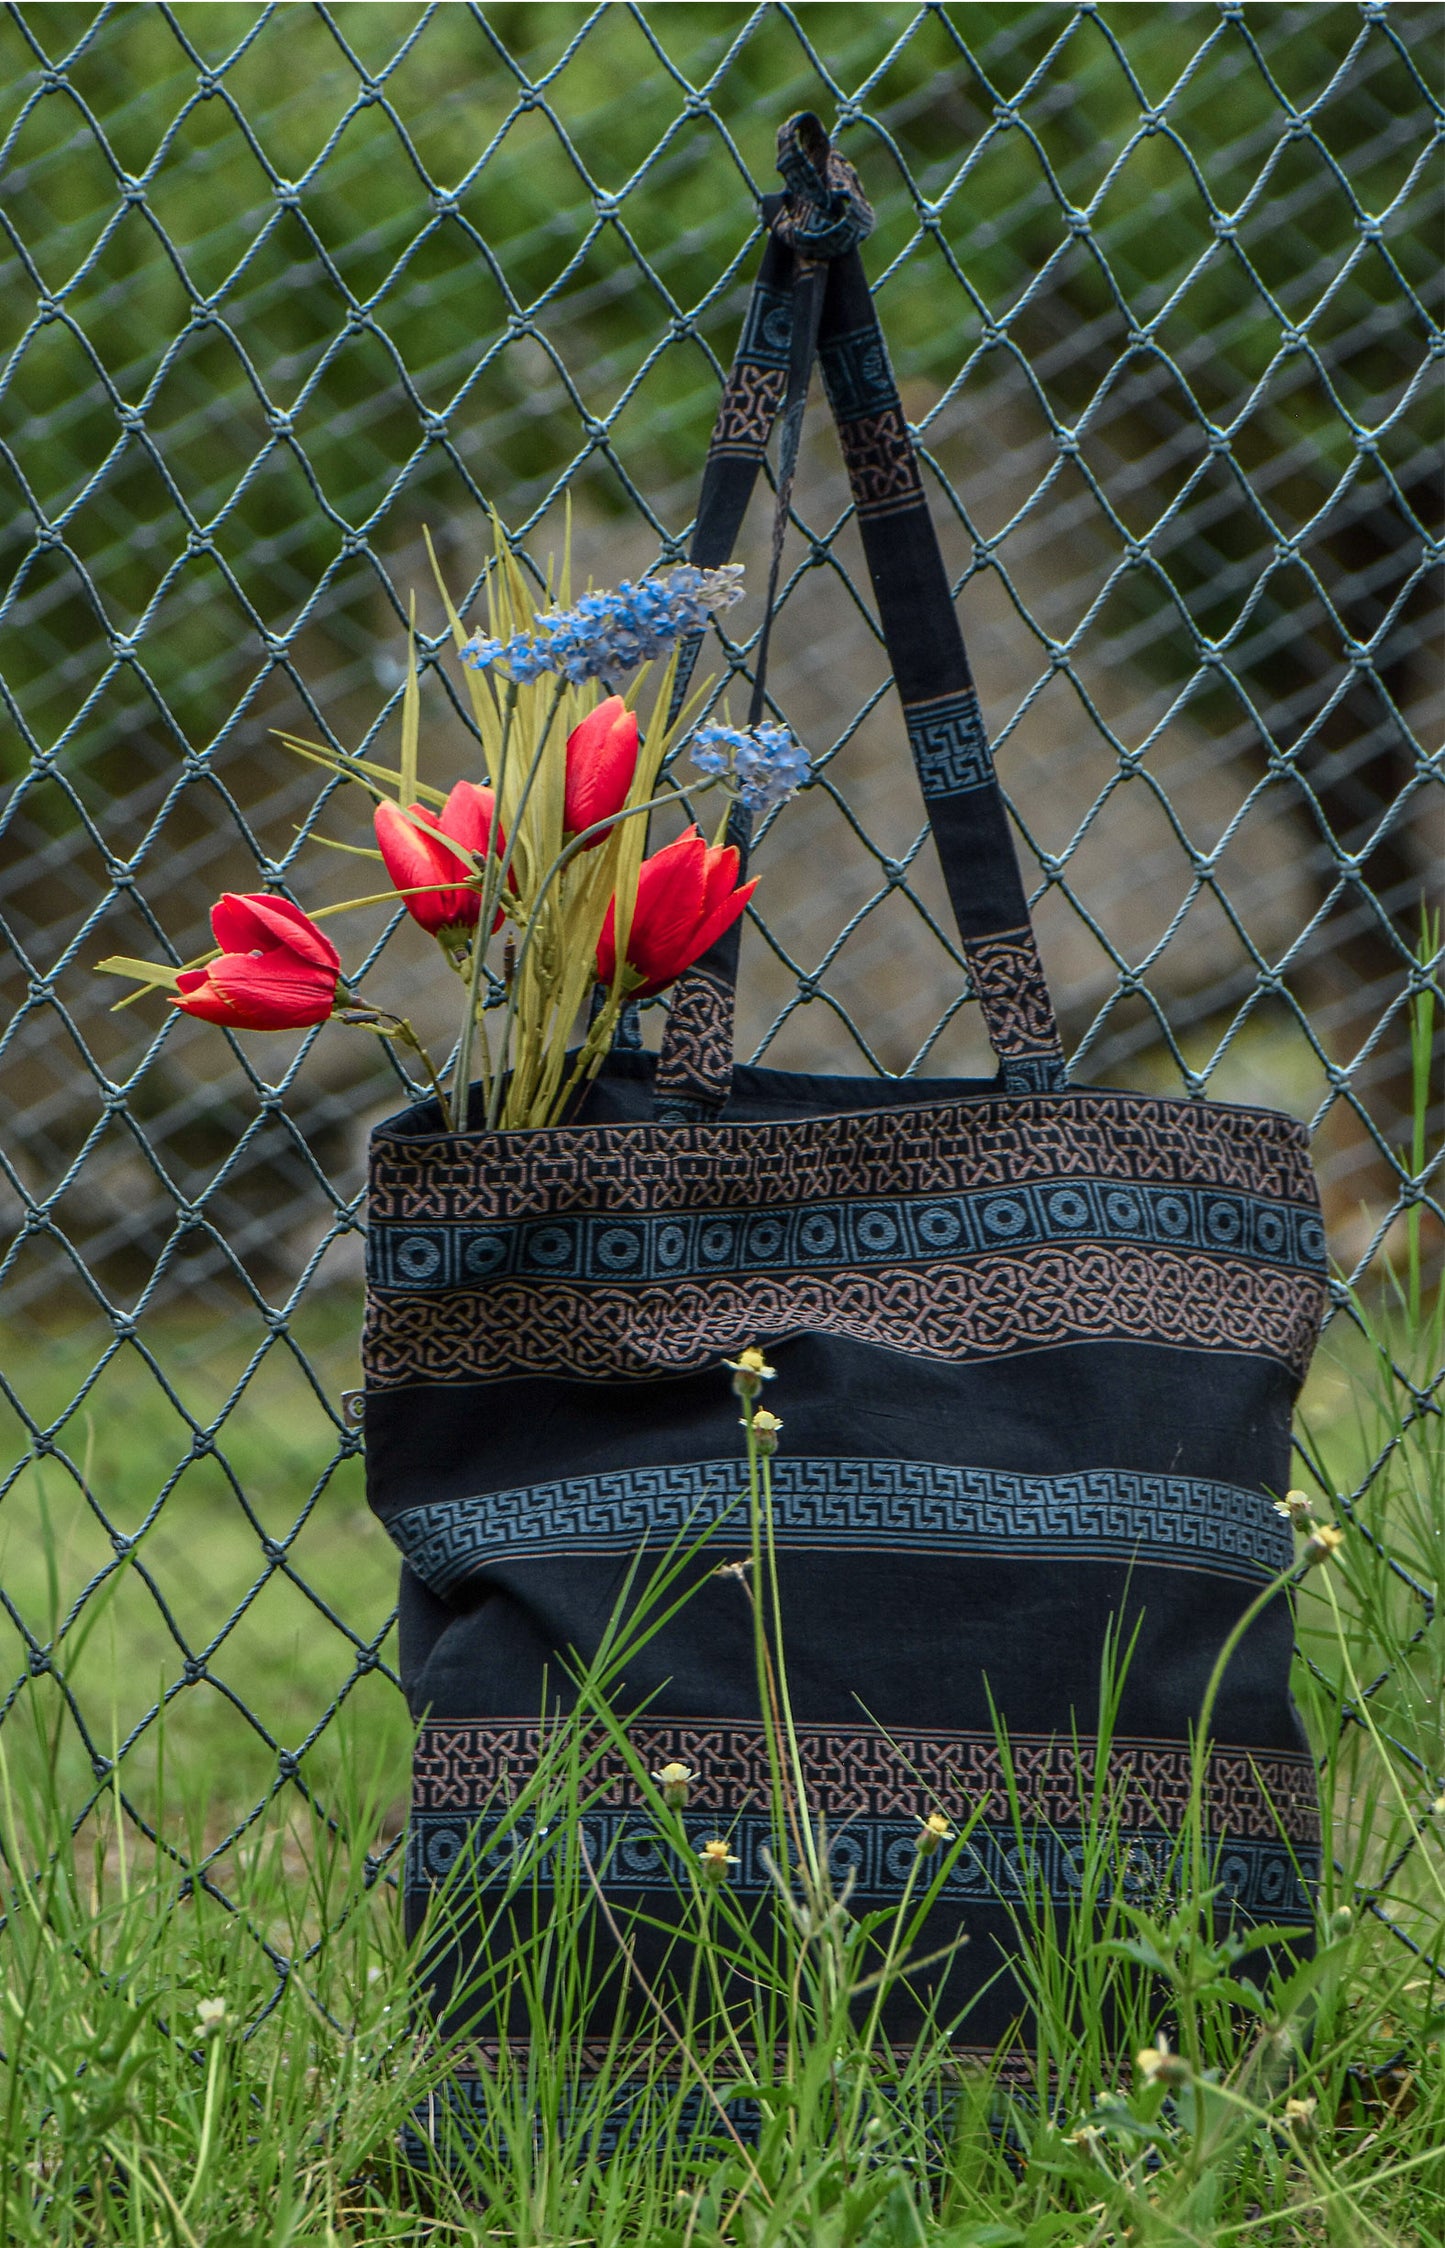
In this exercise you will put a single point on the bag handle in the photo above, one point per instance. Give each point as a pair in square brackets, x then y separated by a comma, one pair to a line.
[812, 292]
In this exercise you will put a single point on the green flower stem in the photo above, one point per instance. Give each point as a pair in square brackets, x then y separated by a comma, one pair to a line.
[208, 2126]
[1199, 1769]
[807, 1838]
[784, 1809]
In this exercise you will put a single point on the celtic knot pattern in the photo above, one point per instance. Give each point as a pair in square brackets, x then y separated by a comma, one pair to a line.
[850, 1773]
[749, 407]
[882, 467]
[1036, 1300]
[696, 1062]
[1008, 981]
[940, 1145]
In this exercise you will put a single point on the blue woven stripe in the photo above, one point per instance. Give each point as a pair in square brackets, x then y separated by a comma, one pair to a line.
[892, 1231]
[1096, 1514]
[1257, 1874]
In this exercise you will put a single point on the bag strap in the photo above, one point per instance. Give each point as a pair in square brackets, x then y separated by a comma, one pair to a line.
[800, 301]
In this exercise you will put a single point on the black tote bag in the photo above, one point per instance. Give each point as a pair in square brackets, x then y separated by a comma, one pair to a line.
[1037, 1348]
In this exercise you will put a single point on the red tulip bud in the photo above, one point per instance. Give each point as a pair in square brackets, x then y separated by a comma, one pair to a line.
[687, 895]
[601, 760]
[277, 970]
[440, 897]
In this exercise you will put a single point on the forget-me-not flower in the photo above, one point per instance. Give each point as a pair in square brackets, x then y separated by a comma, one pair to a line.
[606, 635]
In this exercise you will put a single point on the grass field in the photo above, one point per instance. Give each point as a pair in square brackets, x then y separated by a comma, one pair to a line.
[130, 2116]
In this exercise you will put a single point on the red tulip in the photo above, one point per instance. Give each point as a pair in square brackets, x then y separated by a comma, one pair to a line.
[418, 865]
[601, 760]
[687, 895]
[277, 971]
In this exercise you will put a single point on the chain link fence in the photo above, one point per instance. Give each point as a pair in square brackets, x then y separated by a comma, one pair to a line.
[284, 286]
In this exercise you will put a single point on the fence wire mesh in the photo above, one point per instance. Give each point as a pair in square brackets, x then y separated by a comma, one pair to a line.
[283, 285]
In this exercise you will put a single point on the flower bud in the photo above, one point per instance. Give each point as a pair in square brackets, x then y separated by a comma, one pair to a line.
[749, 1371]
[675, 1780]
[716, 1858]
[931, 1832]
[765, 1426]
[1157, 2065]
[1295, 1508]
[1323, 1542]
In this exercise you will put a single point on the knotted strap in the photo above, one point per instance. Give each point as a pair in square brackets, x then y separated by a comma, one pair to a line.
[800, 304]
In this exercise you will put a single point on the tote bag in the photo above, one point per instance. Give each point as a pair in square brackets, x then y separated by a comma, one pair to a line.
[1037, 1347]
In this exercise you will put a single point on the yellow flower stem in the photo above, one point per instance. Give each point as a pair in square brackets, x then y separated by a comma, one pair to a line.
[491, 889]
[494, 1103]
[565, 858]
[591, 1056]
[407, 1037]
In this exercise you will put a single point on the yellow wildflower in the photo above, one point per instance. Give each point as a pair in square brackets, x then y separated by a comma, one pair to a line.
[932, 1830]
[1295, 1508]
[716, 1858]
[675, 1780]
[1323, 1542]
[749, 1371]
[765, 1426]
[1157, 2065]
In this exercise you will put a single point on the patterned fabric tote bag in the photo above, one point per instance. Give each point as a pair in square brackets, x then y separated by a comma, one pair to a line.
[1037, 1346]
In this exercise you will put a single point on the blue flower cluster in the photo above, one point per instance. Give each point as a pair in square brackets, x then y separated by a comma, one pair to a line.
[764, 766]
[606, 635]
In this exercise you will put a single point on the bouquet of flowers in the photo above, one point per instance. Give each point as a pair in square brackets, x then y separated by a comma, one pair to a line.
[545, 852]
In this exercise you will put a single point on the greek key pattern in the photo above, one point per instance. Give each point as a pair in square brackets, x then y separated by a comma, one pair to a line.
[895, 1506]
[854, 1773]
[1008, 981]
[938, 1146]
[1255, 1874]
[749, 406]
[950, 747]
[882, 468]
[856, 372]
[696, 1062]
[1036, 1300]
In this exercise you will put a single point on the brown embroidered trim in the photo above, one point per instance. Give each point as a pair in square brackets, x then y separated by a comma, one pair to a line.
[933, 1148]
[882, 467]
[696, 1062]
[852, 1773]
[1008, 982]
[751, 398]
[1035, 1299]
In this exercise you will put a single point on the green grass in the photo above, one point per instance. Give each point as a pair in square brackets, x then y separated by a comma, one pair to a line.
[129, 2119]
